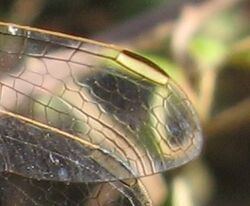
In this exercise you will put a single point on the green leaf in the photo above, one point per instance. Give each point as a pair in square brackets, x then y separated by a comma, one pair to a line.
[207, 51]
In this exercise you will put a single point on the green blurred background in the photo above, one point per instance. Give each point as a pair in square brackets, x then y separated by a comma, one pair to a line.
[205, 47]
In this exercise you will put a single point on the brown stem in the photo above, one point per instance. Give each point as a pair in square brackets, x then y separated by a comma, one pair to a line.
[229, 120]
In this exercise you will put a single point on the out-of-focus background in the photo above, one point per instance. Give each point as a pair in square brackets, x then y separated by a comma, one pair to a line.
[205, 47]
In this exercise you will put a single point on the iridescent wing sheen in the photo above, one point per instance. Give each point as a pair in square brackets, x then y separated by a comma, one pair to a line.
[77, 110]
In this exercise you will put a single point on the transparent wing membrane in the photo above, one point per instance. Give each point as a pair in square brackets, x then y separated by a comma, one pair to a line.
[33, 192]
[76, 110]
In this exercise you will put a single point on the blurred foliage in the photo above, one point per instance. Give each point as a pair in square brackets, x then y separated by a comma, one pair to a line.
[207, 51]
[212, 64]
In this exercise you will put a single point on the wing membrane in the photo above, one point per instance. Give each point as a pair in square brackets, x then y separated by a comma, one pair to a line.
[122, 111]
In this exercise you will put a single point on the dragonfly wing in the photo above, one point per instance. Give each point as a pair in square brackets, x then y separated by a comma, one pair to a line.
[120, 111]
[35, 192]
